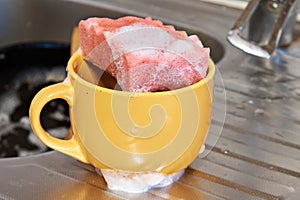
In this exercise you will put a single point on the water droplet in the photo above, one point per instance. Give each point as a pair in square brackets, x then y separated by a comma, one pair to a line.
[240, 106]
[259, 111]
[134, 130]
[268, 100]
[291, 189]
[202, 149]
[226, 151]
[274, 5]
[297, 91]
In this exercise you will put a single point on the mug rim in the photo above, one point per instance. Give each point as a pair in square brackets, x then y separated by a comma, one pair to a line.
[76, 77]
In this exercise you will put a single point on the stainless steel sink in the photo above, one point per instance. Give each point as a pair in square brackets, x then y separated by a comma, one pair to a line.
[252, 151]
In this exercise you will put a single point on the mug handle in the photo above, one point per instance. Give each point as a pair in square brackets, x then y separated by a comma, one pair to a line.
[63, 91]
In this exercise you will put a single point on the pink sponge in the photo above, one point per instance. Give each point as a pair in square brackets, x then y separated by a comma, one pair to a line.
[143, 54]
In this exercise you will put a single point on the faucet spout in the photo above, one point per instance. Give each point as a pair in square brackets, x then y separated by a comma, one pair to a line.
[263, 26]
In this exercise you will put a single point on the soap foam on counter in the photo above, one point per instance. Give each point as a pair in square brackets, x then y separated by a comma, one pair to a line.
[137, 182]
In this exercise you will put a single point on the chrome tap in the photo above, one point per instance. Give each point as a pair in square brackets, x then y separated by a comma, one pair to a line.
[263, 26]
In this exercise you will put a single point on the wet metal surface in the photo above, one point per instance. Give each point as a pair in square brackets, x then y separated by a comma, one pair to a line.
[257, 154]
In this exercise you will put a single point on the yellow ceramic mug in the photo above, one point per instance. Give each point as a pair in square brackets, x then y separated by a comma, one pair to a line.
[139, 132]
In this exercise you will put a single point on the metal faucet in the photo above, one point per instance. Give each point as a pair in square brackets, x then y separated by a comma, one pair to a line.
[264, 26]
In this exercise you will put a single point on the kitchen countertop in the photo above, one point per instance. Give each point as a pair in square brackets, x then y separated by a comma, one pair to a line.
[253, 149]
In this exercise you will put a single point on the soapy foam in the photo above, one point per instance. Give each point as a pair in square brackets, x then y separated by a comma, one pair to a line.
[137, 182]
